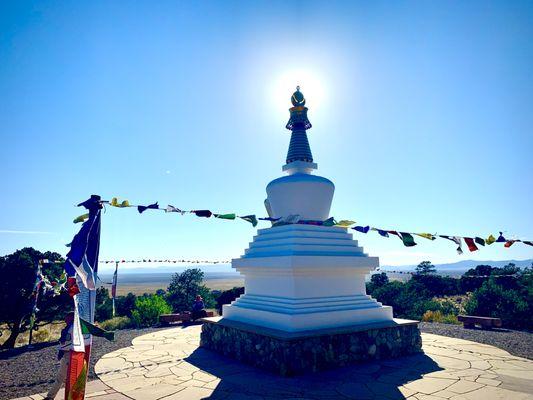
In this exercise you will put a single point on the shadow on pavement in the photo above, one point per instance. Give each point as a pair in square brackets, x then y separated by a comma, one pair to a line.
[371, 380]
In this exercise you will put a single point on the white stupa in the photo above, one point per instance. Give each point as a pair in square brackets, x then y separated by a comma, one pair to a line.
[303, 275]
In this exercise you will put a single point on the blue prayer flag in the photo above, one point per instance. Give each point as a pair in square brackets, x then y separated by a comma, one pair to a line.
[85, 247]
[362, 229]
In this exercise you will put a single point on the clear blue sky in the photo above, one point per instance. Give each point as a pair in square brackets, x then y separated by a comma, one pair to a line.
[421, 116]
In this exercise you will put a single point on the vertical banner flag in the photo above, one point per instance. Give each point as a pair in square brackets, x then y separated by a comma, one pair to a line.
[114, 287]
[82, 267]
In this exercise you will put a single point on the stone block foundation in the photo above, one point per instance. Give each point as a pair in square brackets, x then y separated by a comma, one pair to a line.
[288, 353]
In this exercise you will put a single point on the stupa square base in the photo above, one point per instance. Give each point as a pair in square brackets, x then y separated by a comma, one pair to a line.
[293, 353]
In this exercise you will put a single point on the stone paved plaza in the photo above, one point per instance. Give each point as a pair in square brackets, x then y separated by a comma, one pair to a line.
[169, 365]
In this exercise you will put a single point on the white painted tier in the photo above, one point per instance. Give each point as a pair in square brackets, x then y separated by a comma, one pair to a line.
[304, 277]
[308, 196]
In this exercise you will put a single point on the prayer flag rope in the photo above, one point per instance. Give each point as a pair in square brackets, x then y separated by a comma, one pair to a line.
[407, 238]
[167, 260]
[466, 276]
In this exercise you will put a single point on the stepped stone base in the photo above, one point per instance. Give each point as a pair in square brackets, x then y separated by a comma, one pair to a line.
[293, 353]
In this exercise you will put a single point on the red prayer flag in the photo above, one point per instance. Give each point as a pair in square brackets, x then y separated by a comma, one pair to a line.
[509, 243]
[72, 287]
[470, 243]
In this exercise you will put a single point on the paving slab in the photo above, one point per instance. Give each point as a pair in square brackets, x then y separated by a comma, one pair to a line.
[170, 365]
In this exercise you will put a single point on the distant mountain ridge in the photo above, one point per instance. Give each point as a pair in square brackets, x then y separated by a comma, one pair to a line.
[462, 266]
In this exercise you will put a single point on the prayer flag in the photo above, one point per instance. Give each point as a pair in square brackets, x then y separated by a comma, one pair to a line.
[470, 243]
[225, 216]
[142, 209]
[456, 240]
[202, 213]
[89, 329]
[290, 219]
[380, 231]
[251, 219]
[407, 239]
[394, 233]
[479, 241]
[72, 287]
[491, 239]
[362, 229]
[174, 209]
[78, 344]
[527, 242]
[426, 236]
[114, 284]
[114, 202]
[329, 222]
[345, 223]
[501, 239]
[509, 243]
[83, 255]
[81, 218]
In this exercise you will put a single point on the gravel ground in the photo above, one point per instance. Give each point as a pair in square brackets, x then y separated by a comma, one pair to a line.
[518, 343]
[26, 371]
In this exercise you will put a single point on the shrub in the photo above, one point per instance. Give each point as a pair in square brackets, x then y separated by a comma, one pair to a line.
[437, 285]
[228, 296]
[438, 316]
[116, 323]
[184, 287]
[493, 300]
[148, 309]
[124, 305]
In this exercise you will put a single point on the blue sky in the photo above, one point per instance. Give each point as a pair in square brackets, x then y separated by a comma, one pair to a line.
[421, 116]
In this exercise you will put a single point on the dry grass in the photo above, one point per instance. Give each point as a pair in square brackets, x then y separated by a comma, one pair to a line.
[46, 333]
[213, 284]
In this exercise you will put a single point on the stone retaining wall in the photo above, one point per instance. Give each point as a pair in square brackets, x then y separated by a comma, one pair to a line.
[296, 355]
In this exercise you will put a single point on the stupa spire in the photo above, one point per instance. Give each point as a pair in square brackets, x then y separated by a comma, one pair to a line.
[299, 156]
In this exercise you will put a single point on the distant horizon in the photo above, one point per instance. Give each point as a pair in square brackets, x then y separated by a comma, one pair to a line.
[216, 268]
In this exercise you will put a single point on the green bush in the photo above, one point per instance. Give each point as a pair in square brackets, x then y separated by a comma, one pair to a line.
[148, 309]
[116, 323]
[227, 296]
[511, 306]
[184, 287]
[444, 308]
[124, 305]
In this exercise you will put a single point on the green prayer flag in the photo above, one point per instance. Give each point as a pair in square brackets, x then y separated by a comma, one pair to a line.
[250, 218]
[407, 239]
[491, 239]
[225, 216]
[89, 329]
[329, 222]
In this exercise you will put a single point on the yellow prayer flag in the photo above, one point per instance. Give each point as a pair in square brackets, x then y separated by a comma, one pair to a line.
[114, 202]
[81, 218]
[345, 223]
[491, 239]
[426, 235]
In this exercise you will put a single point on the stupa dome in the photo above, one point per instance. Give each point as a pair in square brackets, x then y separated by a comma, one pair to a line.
[298, 99]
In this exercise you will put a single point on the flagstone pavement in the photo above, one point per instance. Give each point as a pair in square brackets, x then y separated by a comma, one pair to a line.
[169, 365]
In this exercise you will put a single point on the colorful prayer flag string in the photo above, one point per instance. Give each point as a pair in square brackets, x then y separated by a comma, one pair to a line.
[407, 238]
